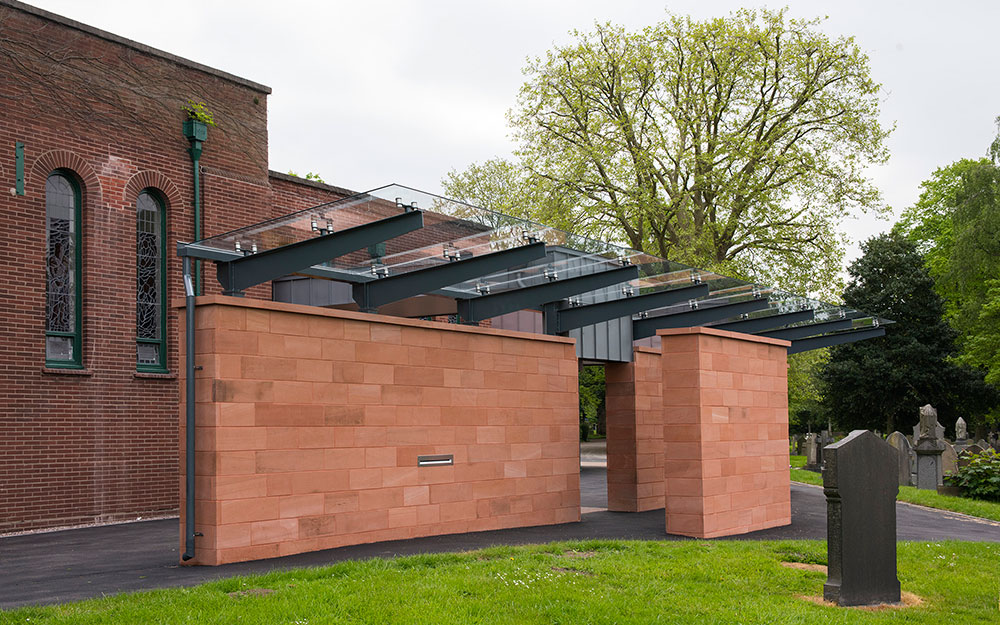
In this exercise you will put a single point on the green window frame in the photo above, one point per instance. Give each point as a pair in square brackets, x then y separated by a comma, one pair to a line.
[151, 283]
[63, 275]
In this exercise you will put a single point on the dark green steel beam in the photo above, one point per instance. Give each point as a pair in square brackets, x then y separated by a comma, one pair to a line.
[828, 340]
[496, 304]
[570, 318]
[758, 324]
[243, 273]
[641, 328]
[812, 329]
[371, 295]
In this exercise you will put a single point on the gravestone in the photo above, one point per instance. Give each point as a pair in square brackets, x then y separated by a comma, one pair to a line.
[949, 461]
[928, 449]
[901, 444]
[961, 431]
[797, 441]
[938, 431]
[825, 438]
[812, 452]
[860, 484]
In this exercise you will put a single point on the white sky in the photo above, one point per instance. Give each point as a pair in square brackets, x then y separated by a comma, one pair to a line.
[373, 92]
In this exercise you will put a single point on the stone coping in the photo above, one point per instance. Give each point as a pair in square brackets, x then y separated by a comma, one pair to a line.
[739, 336]
[642, 349]
[302, 309]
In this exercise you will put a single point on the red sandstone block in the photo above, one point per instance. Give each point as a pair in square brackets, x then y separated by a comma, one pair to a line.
[330, 395]
[488, 453]
[380, 498]
[365, 478]
[370, 436]
[336, 503]
[312, 527]
[490, 434]
[232, 462]
[232, 535]
[279, 484]
[458, 511]
[240, 391]
[319, 481]
[364, 394]
[247, 510]
[344, 458]
[285, 461]
[314, 371]
[402, 517]
[415, 435]
[428, 514]
[418, 376]
[239, 487]
[446, 493]
[281, 437]
[362, 521]
[416, 495]
[234, 342]
[295, 506]
[397, 395]
[340, 350]
[436, 475]
[377, 457]
[243, 554]
[517, 469]
[383, 354]
[399, 476]
[287, 392]
[264, 532]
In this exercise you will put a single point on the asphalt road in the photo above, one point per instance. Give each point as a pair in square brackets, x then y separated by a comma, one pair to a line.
[55, 567]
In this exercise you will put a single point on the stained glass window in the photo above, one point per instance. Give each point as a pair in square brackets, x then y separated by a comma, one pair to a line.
[62, 272]
[150, 304]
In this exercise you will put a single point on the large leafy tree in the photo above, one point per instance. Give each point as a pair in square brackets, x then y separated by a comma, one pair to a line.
[736, 144]
[956, 224]
[881, 383]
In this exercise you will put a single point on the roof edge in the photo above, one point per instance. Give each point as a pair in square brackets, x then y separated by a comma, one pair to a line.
[135, 45]
[308, 183]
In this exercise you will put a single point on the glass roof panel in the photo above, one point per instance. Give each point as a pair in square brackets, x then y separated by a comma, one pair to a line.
[455, 230]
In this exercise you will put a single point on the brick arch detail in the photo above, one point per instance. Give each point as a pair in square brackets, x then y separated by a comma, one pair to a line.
[65, 159]
[149, 178]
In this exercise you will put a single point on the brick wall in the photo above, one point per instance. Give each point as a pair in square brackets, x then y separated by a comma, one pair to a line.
[100, 444]
[310, 422]
[634, 403]
[725, 412]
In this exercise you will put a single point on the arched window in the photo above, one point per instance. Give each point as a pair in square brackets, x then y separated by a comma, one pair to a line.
[63, 298]
[150, 284]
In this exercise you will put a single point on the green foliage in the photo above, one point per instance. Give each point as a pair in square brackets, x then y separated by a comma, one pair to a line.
[309, 176]
[805, 392]
[956, 224]
[198, 112]
[592, 399]
[737, 144]
[980, 478]
[881, 383]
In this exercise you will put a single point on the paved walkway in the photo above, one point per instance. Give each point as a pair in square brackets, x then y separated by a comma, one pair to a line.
[77, 564]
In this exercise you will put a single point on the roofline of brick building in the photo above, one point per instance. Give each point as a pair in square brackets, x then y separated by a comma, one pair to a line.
[135, 45]
[308, 183]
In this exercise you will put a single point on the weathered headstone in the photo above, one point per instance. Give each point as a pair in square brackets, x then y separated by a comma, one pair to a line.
[812, 452]
[797, 441]
[949, 460]
[928, 448]
[901, 444]
[938, 431]
[860, 484]
[961, 431]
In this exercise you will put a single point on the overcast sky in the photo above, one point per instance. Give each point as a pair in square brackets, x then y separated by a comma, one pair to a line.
[374, 92]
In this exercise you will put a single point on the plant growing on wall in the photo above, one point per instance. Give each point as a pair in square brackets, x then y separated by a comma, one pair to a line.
[198, 112]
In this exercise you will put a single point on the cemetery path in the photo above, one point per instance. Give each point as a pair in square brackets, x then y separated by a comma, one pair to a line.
[55, 567]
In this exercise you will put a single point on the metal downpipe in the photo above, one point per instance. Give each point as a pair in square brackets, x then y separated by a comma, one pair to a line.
[189, 294]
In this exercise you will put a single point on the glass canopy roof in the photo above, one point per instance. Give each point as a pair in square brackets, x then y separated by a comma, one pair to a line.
[456, 230]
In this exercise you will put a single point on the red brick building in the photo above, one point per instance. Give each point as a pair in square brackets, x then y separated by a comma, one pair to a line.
[97, 189]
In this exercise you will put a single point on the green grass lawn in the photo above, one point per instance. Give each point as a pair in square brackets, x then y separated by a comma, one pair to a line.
[583, 582]
[909, 494]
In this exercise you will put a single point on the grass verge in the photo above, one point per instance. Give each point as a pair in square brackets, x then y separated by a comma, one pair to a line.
[583, 582]
[909, 494]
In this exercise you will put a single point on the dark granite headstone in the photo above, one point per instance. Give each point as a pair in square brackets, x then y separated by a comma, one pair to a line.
[861, 481]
